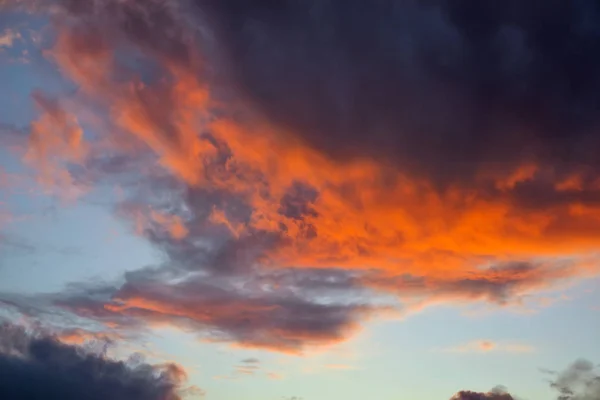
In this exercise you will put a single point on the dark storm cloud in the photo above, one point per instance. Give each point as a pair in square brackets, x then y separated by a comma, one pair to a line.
[39, 366]
[440, 88]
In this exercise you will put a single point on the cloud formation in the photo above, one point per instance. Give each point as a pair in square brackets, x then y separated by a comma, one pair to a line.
[579, 381]
[326, 160]
[487, 346]
[496, 394]
[8, 38]
[36, 366]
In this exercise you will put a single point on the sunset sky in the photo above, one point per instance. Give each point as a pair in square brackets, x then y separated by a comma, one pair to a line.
[286, 199]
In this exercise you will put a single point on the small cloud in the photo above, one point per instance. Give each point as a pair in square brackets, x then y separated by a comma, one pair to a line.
[251, 360]
[274, 376]
[497, 393]
[192, 392]
[246, 369]
[549, 301]
[487, 346]
[519, 348]
[339, 366]
[8, 38]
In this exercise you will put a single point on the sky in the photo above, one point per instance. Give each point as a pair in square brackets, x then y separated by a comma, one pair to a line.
[315, 200]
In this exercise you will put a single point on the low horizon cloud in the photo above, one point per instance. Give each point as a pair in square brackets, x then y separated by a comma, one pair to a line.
[35, 365]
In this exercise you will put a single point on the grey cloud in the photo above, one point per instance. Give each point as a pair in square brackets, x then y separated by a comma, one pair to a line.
[241, 309]
[580, 381]
[497, 393]
[440, 88]
[39, 366]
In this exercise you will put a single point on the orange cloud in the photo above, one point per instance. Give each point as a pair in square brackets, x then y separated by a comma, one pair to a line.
[56, 139]
[283, 204]
[172, 223]
[339, 366]
[486, 346]
[365, 214]
[81, 336]
[274, 376]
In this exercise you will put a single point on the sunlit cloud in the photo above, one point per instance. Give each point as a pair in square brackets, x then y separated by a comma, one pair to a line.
[36, 357]
[289, 207]
[489, 346]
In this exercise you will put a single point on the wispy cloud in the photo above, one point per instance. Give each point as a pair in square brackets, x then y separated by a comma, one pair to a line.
[274, 376]
[306, 203]
[8, 37]
[488, 346]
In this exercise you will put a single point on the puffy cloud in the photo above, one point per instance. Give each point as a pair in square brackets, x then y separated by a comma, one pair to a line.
[580, 381]
[250, 312]
[38, 366]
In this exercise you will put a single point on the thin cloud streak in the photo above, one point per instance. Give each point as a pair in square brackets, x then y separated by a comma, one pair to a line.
[489, 346]
[35, 365]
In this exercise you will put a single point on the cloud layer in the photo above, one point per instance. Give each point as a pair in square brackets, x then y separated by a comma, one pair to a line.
[303, 166]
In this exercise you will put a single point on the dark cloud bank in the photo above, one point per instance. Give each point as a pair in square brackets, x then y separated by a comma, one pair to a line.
[38, 366]
[441, 88]
[438, 88]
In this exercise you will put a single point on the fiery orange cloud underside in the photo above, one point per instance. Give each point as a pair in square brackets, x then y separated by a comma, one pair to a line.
[361, 218]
